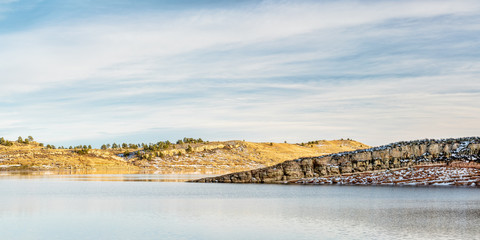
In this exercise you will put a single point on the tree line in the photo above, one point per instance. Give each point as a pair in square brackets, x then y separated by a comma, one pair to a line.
[149, 150]
[5, 142]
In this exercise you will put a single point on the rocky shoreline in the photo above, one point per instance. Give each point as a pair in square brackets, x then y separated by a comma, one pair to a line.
[398, 155]
[439, 175]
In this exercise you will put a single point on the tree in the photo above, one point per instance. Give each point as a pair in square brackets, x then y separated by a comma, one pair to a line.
[104, 147]
[30, 138]
[2, 140]
[20, 140]
[82, 151]
[133, 146]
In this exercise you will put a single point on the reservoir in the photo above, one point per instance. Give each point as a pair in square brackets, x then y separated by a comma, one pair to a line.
[146, 206]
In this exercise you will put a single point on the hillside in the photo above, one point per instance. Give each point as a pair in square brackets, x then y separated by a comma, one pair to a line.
[230, 156]
[192, 157]
[32, 156]
[445, 161]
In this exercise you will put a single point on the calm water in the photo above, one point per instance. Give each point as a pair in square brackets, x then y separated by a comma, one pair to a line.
[126, 207]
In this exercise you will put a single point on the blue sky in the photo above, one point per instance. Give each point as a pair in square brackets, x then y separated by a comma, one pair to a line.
[77, 72]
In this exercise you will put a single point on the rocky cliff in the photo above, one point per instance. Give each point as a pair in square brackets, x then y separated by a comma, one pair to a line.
[392, 156]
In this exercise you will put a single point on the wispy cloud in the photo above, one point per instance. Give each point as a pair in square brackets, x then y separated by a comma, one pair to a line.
[376, 71]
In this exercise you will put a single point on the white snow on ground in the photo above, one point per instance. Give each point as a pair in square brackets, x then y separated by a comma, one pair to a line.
[456, 153]
[420, 175]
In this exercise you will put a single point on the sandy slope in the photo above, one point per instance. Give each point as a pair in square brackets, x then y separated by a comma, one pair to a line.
[211, 157]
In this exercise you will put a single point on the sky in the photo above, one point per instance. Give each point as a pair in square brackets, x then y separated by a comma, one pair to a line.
[92, 72]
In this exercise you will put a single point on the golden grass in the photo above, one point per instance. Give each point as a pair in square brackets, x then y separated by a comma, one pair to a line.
[33, 156]
[240, 155]
[212, 157]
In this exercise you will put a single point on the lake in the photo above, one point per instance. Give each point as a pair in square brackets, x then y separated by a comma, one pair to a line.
[153, 207]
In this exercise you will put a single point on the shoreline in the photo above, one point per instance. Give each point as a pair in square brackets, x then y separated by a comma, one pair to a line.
[427, 175]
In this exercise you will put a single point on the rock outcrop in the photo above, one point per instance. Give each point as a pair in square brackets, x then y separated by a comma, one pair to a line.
[392, 156]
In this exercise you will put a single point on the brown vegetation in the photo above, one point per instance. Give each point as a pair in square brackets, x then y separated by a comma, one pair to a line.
[231, 156]
[191, 157]
[33, 156]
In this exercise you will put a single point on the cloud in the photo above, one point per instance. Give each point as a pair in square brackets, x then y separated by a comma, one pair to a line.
[83, 49]
[376, 71]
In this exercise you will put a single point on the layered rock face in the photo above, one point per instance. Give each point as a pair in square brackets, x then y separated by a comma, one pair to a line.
[392, 156]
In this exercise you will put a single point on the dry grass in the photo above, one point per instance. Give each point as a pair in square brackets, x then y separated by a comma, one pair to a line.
[212, 157]
[33, 156]
[240, 155]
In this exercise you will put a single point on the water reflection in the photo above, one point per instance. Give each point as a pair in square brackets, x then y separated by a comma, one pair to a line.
[134, 177]
[137, 176]
[142, 207]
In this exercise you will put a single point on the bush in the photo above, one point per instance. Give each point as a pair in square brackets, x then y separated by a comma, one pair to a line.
[189, 149]
[82, 151]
